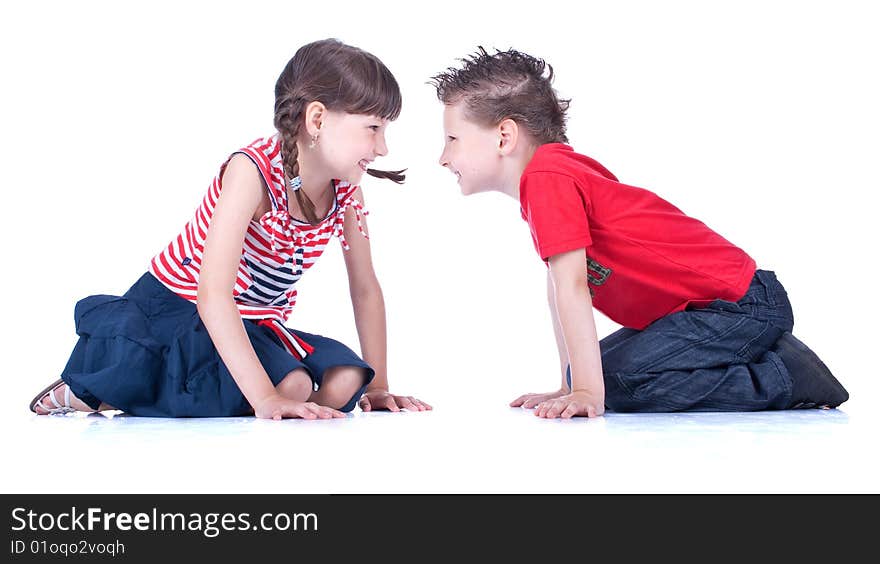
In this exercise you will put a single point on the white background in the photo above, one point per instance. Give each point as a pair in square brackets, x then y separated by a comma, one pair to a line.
[759, 118]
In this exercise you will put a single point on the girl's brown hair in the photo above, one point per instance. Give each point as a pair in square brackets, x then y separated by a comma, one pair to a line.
[343, 78]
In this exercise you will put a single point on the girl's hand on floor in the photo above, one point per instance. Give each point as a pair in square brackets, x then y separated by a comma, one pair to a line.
[531, 400]
[278, 407]
[383, 401]
[579, 403]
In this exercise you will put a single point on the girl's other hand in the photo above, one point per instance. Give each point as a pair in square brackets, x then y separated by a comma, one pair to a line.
[531, 400]
[384, 401]
[278, 407]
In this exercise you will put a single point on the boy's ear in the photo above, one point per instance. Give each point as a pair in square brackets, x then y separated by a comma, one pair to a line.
[508, 134]
[315, 112]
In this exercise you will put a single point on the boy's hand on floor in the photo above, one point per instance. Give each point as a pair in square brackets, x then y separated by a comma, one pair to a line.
[531, 400]
[575, 404]
[380, 400]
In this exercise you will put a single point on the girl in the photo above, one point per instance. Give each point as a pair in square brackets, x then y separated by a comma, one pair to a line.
[201, 333]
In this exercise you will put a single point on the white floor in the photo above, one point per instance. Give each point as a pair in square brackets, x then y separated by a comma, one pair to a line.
[452, 449]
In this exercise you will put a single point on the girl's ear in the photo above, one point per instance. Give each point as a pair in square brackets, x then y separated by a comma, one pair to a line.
[508, 133]
[314, 114]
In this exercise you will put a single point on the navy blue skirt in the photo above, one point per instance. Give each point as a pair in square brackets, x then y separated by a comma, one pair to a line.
[148, 353]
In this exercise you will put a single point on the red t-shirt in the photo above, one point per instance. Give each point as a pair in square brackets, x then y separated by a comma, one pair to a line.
[645, 258]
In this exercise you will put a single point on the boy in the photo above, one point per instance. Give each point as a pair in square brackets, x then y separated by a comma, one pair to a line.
[704, 330]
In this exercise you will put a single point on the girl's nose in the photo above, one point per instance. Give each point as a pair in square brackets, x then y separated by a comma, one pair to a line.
[381, 147]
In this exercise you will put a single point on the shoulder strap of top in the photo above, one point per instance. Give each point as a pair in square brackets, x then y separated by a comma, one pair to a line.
[344, 192]
[266, 155]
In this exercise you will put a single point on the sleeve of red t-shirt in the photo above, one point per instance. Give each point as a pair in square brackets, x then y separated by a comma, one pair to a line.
[556, 210]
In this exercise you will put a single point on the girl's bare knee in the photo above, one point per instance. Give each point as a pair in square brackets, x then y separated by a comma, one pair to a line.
[339, 384]
[297, 385]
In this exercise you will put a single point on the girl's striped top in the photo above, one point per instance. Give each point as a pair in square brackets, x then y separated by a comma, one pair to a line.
[277, 249]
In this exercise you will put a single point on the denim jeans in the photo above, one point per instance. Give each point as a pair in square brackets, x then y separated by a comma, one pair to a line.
[716, 358]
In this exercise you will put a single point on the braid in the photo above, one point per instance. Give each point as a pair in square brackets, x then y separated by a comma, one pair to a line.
[287, 122]
[393, 175]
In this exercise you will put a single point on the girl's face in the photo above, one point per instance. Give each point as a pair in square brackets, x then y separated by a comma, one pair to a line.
[470, 152]
[348, 143]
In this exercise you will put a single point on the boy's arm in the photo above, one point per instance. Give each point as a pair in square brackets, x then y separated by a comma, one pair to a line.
[557, 332]
[532, 399]
[574, 308]
[571, 309]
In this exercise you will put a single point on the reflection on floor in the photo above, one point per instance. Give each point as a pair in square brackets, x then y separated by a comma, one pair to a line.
[448, 450]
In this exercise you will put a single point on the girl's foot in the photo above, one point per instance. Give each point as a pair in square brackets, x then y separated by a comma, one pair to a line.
[59, 400]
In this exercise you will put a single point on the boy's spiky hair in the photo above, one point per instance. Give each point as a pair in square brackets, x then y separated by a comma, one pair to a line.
[507, 84]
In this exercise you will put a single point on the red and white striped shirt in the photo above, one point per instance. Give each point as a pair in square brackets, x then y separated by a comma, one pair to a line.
[277, 249]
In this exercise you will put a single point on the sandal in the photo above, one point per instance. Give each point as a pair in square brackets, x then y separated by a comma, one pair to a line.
[60, 408]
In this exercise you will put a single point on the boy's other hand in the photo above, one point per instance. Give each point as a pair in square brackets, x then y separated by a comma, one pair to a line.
[382, 400]
[576, 404]
[531, 400]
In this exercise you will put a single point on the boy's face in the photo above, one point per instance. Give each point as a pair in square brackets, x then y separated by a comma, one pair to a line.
[470, 151]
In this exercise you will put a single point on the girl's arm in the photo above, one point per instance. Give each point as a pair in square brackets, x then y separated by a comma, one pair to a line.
[242, 193]
[368, 304]
[366, 297]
